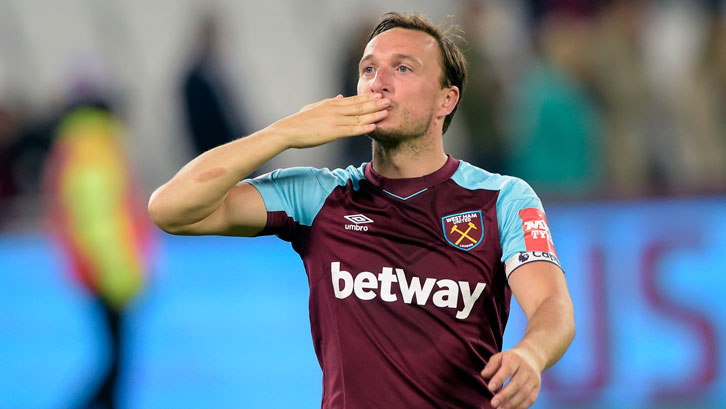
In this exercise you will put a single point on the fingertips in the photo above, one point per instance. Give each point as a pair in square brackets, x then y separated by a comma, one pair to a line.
[356, 130]
[495, 362]
[497, 380]
[505, 395]
[368, 96]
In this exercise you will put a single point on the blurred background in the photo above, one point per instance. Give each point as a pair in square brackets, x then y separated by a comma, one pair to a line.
[613, 110]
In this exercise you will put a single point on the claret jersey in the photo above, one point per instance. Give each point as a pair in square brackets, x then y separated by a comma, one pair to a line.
[408, 277]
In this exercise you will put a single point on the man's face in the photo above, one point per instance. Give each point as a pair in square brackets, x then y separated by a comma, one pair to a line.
[404, 66]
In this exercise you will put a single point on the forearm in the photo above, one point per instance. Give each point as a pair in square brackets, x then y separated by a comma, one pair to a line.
[550, 330]
[201, 186]
[542, 293]
[185, 203]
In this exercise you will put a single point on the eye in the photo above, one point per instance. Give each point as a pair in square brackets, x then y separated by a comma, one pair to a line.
[403, 68]
[367, 70]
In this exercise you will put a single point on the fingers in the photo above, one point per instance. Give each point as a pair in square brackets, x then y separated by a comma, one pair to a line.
[358, 130]
[495, 362]
[512, 394]
[333, 118]
[338, 99]
[521, 395]
[499, 370]
[355, 99]
[365, 118]
[363, 104]
[522, 388]
[520, 392]
[360, 113]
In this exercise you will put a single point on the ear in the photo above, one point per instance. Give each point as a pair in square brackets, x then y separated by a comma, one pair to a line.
[449, 98]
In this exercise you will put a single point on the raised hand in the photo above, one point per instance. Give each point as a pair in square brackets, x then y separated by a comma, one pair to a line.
[331, 119]
[205, 196]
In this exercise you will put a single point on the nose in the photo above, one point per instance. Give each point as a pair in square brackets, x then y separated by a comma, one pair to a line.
[381, 82]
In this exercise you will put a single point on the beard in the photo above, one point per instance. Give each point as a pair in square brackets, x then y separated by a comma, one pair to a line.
[408, 132]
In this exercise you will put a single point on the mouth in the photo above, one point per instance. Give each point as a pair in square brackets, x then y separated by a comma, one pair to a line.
[390, 110]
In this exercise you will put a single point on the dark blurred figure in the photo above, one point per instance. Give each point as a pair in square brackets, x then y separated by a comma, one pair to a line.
[556, 128]
[99, 222]
[211, 113]
[540, 9]
[357, 149]
[9, 134]
[25, 138]
[484, 97]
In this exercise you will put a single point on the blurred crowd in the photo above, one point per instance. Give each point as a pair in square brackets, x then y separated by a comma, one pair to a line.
[599, 98]
[581, 98]
[589, 98]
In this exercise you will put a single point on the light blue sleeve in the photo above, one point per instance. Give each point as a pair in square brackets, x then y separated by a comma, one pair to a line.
[301, 192]
[523, 229]
[523, 232]
[514, 196]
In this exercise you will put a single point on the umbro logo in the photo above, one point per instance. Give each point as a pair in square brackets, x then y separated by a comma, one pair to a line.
[359, 221]
[358, 218]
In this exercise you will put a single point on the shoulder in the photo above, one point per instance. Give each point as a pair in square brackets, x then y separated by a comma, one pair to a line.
[325, 178]
[301, 191]
[471, 177]
[341, 177]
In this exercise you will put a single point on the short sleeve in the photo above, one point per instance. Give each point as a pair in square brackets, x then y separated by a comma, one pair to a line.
[293, 197]
[523, 228]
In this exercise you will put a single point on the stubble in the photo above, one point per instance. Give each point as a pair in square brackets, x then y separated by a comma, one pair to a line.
[409, 135]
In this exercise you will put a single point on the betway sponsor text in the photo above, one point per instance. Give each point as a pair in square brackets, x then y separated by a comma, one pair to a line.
[367, 286]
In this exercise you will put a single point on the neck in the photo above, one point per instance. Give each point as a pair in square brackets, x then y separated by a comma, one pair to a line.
[409, 159]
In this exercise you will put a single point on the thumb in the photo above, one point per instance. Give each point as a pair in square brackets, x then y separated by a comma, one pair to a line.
[495, 362]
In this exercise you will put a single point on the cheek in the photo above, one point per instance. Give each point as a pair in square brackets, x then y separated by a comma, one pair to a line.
[363, 86]
[422, 103]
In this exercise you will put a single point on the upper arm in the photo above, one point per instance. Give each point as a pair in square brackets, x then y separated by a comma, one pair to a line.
[534, 283]
[299, 193]
[523, 228]
[531, 262]
[241, 213]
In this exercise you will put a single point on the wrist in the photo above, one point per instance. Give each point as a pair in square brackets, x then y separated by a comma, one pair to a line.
[532, 354]
[277, 136]
[273, 138]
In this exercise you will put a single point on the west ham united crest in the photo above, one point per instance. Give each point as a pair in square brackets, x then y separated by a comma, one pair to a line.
[464, 230]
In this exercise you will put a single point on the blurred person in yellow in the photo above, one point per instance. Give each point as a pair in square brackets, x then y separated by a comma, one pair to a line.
[99, 224]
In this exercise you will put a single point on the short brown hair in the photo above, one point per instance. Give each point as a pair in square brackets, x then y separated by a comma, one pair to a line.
[453, 63]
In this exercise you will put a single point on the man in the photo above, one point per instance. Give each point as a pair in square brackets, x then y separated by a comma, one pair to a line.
[411, 258]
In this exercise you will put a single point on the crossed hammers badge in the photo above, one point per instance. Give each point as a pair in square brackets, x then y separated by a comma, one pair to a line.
[464, 230]
[464, 234]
